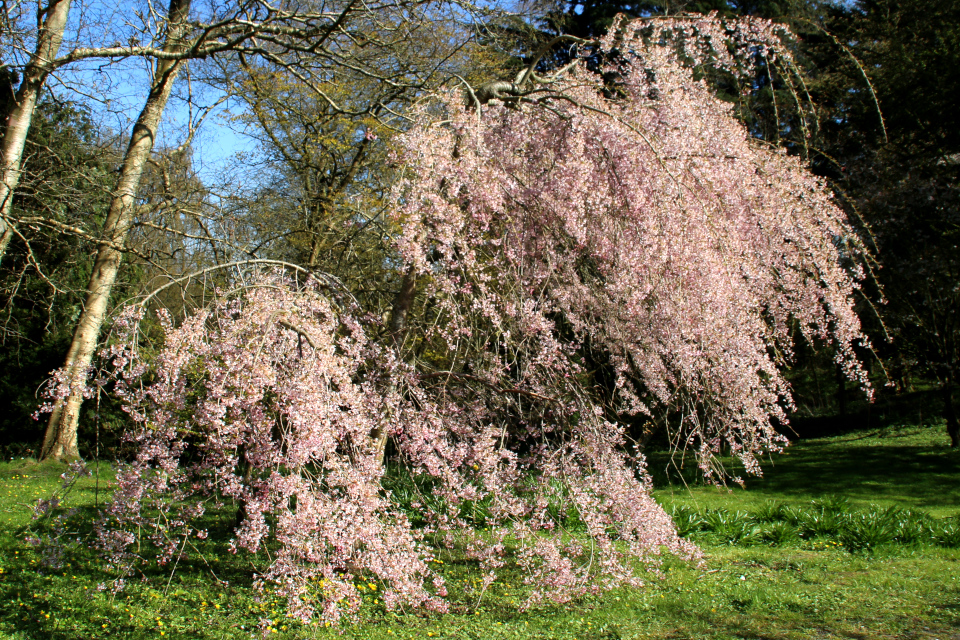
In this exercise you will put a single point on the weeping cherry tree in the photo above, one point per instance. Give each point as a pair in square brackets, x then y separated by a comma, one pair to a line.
[626, 212]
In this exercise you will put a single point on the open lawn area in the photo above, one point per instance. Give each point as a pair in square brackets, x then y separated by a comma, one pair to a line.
[903, 467]
[877, 556]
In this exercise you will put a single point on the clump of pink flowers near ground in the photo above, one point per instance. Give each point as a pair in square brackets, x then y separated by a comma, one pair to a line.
[641, 223]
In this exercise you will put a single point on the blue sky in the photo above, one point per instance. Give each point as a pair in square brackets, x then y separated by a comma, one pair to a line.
[114, 91]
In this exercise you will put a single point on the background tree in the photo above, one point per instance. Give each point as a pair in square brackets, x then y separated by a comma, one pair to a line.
[67, 172]
[323, 133]
[19, 114]
[304, 41]
[900, 173]
[60, 440]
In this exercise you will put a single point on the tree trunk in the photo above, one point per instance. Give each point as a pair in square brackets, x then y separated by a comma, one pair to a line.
[397, 328]
[841, 391]
[401, 307]
[60, 441]
[21, 114]
[6, 235]
[953, 428]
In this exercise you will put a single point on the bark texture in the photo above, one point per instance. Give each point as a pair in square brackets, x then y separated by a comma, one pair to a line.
[21, 115]
[60, 441]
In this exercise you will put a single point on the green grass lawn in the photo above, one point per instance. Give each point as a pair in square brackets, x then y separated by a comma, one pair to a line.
[906, 467]
[808, 588]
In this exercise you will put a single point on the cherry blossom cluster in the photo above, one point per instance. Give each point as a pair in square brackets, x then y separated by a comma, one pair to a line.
[266, 402]
[267, 405]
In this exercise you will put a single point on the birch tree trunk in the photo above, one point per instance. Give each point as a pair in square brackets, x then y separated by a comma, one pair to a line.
[21, 115]
[60, 441]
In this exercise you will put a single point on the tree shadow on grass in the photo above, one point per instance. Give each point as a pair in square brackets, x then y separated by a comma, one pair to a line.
[74, 597]
[863, 469]
[918, 476]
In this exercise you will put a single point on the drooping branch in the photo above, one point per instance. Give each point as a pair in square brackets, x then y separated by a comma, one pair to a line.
[493, 385]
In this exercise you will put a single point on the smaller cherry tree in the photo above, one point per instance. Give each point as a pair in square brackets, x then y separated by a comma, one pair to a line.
[267, 400]
[634, 217]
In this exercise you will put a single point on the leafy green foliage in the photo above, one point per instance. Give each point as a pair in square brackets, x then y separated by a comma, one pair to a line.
[949, 534]
[686, 520]
[66, 179]
[819, 525]
[779, 534]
